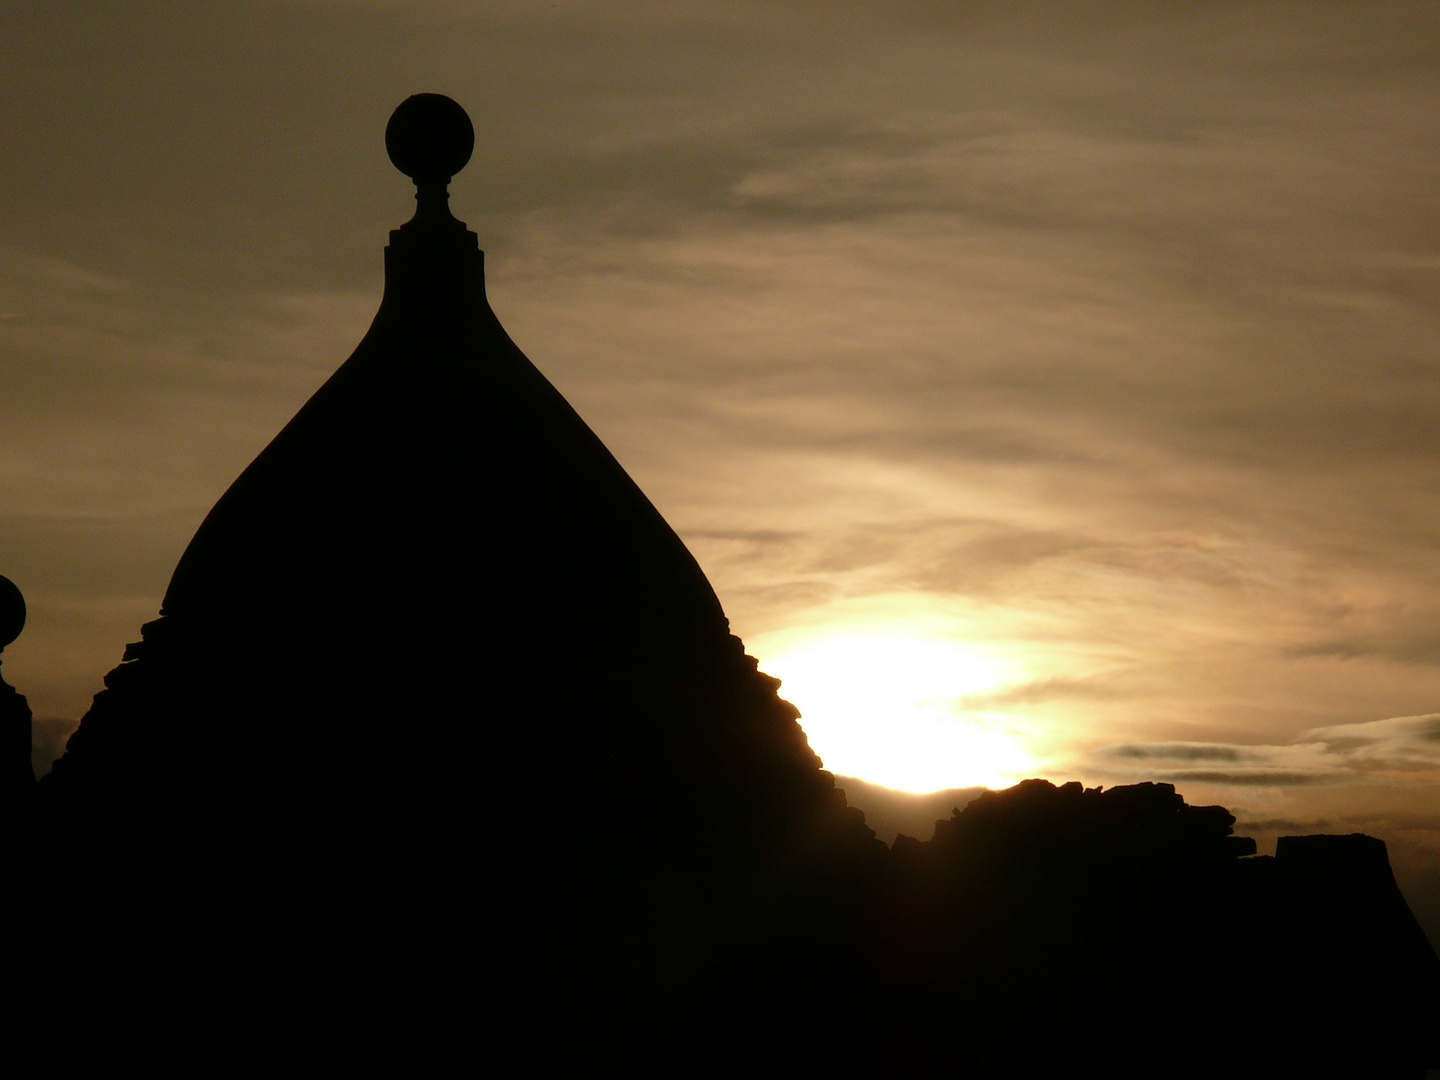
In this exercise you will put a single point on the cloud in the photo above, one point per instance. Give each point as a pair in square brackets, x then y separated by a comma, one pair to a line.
[1042, 690]
[1399, 750]
[1400, 745]
[1258, 778]
[1398, 638]
[1181, 752]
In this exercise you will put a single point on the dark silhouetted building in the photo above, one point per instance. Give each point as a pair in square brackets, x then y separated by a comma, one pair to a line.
[441, 755]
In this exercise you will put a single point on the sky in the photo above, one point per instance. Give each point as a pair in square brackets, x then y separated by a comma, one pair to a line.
[1047, 389]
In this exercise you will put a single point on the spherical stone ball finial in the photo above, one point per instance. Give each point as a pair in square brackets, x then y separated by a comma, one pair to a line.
[12, 612]
[429, 137]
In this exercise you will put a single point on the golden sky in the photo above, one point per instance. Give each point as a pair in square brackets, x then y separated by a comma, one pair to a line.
[1047, 393]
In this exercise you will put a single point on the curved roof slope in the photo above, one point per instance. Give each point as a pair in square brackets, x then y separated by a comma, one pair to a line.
[437, 572]
[438, 484]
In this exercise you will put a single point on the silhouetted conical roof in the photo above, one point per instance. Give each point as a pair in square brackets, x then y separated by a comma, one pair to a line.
[437, 511]
[438, 473]
[437, 486]
[435, 613]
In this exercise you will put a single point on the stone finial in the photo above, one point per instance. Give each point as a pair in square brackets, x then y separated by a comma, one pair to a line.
[17, 776]
[430, 139]
[12, 612]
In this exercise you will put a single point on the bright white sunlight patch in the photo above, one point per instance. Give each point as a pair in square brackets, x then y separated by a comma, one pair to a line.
[889, 708]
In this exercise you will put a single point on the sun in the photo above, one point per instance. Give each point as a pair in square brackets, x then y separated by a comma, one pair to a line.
[891, 709]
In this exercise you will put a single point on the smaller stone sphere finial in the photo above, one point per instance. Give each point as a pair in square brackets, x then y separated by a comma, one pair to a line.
[429, 138]
[12, 612]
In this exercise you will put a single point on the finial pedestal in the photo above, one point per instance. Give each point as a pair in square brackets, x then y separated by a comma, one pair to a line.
[433, 262]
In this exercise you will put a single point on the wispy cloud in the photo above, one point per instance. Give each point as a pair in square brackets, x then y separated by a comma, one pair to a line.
[1403, 750]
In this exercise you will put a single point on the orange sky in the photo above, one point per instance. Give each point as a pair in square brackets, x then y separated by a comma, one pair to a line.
[1097, 342]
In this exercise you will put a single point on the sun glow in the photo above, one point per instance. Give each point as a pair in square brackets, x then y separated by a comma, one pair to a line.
[891, 709]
